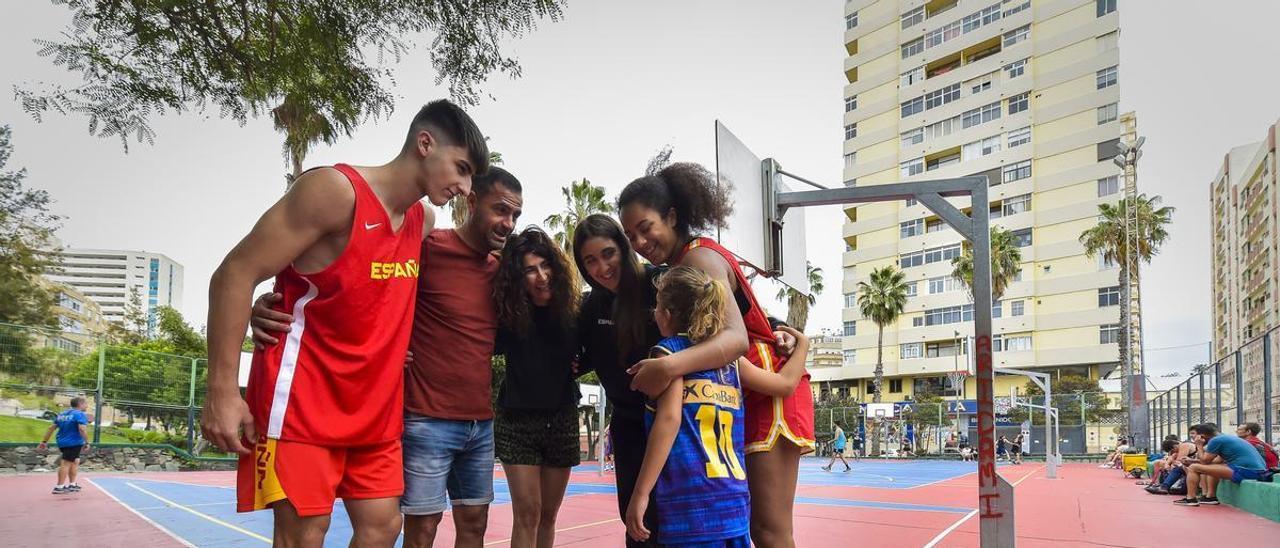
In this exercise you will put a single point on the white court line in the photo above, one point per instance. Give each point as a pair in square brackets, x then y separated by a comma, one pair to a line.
[583, 526]
[139, 514]
[235, 528]
[966, 517]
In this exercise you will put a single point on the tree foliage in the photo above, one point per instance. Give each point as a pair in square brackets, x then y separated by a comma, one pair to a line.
[581, 198]
[1005, 263]
[798, 303]
[26, 245]
[326, 59]
[1069, 393]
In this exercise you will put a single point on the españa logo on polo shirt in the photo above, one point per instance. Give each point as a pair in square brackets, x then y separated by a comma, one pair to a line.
[705, 391]
[387, 271]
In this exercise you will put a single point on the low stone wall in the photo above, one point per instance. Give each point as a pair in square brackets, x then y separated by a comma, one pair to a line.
[108, 458]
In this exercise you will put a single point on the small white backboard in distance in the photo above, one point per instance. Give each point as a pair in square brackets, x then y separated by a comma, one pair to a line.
[751, 234]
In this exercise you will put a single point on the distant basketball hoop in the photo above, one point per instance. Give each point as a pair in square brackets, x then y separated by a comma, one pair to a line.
[880, 410]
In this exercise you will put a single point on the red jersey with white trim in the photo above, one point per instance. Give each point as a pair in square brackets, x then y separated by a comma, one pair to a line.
[767, 417]
[337, 377]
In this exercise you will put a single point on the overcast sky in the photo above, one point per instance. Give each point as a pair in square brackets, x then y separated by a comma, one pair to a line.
[613, 82]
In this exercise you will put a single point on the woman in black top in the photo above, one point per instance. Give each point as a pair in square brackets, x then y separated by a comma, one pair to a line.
[616, 328]
[536, 427]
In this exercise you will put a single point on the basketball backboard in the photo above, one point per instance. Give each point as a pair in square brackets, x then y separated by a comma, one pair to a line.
[771, 245]
[880, 410]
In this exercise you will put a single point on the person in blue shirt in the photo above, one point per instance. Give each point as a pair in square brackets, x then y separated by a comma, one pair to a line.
[837, 450]
[72, 438]
[1220, 457]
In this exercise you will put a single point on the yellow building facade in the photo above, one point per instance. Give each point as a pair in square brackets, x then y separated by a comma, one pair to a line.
[1026, 93]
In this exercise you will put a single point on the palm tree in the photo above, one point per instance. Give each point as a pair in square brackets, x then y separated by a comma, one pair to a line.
[303, 128]
[458, 205]
[881, 301]
[1005, 259]
[581, 198]
[1107, 239]
[798, 303]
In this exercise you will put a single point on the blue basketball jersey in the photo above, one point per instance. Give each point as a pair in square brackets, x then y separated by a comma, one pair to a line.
[701, 494]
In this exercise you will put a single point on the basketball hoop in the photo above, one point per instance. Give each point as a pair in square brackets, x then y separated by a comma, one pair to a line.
[879, 413]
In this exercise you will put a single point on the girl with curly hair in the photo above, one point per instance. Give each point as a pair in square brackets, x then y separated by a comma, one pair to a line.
[662, 214]
[536, 423]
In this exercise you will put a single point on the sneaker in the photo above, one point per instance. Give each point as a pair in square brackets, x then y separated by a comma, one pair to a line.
[74, 488]
[1157, 490]
[1187, 502]
[1212, 501]
[60, 490]
[826, 468]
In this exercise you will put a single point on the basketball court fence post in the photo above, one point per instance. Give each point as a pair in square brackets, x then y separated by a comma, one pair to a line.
[191, 409]
[97, 404]
[1267, 404]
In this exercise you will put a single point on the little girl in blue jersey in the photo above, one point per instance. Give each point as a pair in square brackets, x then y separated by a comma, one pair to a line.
[693, 463]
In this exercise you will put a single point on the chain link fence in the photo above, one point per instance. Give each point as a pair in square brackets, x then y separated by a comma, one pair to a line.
[1243, 387]
[134, 395]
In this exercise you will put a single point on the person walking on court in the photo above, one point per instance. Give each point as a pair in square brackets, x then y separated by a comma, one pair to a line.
[837, 450]
[322, 415]
[1015, 450]
[536, 424]
[448, 428]
[73, 437]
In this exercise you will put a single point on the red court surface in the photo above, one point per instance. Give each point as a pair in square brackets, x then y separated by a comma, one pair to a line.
[1085, 506]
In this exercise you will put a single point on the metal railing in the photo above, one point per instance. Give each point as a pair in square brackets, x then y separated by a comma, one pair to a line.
[1238, 389]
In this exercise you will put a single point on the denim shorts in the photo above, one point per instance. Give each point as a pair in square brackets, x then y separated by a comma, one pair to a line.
[1239, 474]
[446, 461]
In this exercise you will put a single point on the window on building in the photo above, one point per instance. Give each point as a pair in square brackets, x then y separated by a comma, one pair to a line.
[940, 97]
[939, 254]
[1109, 334]
[949, 314]
[1019, 137]
[1108, 186]
[909, 351]
[851, 103]
[1022, 238]
[913, 76]
[1016, 6]
[978, 149]
[937, 37]
[850, 159]
[997, 309]
[1109, 296]
[850, 131]
[1016, 35]
[911, 228]
[944, 284]
[944, 349]
[942, 161]
[912, 107]
[1016, 172]
[1108, 77]
[911, 289]
[1017, 308]
[911, 167]
[851, 21]
[980, 84]
[913, 137]
[1013, 343]
[1105, 6]
[909, 202]
[912, 48]
[913, 17]
[1016, 205]
[850, 357]
[943, 128]
[980, 115]
[1108, 113]
[911, 259]
[895, 386]
[935, 225]
[850, 300]
[850, 328]
[1015, 69]
[1019, 103]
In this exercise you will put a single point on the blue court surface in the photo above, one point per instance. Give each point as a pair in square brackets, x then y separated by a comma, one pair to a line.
[205, 515]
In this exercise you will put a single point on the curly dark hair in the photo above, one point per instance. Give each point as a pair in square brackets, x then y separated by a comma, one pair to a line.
[701, 203]
[509, 290]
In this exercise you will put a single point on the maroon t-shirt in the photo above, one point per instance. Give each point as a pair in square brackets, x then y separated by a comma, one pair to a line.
[454, 326]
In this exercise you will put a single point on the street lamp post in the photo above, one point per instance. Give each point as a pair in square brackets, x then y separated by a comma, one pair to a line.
[1133, 379]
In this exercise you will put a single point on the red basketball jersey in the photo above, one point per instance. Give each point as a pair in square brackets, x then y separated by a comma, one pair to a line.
[767, 417]
[337, 377]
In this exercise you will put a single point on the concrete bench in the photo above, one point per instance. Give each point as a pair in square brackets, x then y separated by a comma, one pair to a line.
[1255, 497]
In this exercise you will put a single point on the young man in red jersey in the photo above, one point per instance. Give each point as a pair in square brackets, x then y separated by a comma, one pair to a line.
[323, 416]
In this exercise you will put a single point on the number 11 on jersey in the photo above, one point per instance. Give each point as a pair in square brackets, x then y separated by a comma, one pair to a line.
[717, 442]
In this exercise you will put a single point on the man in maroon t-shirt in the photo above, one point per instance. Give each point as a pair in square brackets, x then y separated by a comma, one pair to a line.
[1249, 432]
[448, 431]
